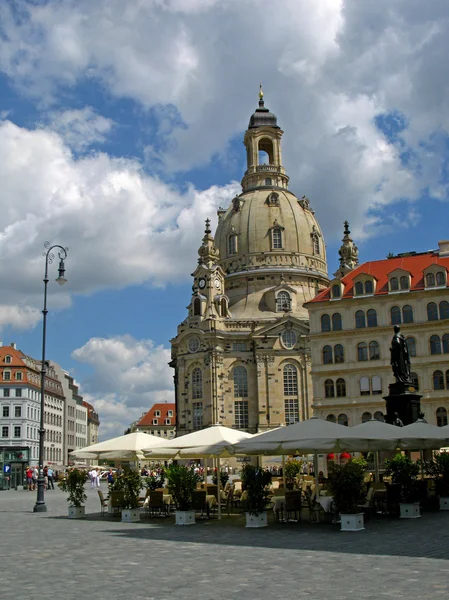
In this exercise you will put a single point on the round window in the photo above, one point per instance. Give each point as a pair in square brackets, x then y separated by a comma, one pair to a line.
[194, 344]
[288, 338]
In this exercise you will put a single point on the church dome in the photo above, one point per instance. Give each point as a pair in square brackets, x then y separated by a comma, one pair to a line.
[270, 230]
[262, 117]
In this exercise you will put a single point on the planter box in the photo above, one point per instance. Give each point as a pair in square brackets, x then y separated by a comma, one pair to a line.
[256, 521]
[409, 511]
[352, 522]
[444, 502]
[76, 512]
[130, 515]
[185, 517]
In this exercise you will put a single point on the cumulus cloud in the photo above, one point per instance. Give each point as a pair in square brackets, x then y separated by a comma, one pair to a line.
[329, 69]
[80, 128]
[121, 225]
[128, 377]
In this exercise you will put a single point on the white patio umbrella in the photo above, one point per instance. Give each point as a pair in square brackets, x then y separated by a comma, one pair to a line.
[311, 436]
[371, 436]
[423, 436]
[212, 442]
[123, 447]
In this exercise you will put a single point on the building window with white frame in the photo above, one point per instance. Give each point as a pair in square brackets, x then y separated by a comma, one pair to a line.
[290, 380]
[276, 238]
[283, 302]
[5, 431]
[17, 431]
[241, 418]
[291, 411]
[197, 383]
[232, 244]
[240, 382]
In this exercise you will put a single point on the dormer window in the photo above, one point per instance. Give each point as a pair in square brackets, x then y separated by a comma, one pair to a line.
[394, 284]
[440, 278]
[232, 244]
[359, 288]
[430, 280]
[336, 291]
[434, 276]
[283, 302]
[8, 359]
[364, 288]
[169, 413]
[157, 413]
[154, 422]
[167, 422]
[369, 287]
[404, 282]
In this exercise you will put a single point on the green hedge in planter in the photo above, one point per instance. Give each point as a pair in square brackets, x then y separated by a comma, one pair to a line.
[131, 484]
[346, 484]
[255, 481]
[73, 484]
[404, 472]
[182, 483]
[438, 468]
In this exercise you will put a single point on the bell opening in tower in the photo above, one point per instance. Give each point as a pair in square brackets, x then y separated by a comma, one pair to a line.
[265, 153]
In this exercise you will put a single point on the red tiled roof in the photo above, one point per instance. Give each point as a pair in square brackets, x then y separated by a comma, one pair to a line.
[415, 265]
[163, 408]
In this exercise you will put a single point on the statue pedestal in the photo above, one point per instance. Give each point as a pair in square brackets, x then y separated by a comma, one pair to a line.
[402, 399]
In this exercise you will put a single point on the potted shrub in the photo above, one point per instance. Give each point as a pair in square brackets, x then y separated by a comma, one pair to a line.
[73, 484]
[438, 468]
[182, 483]
[130, 485]
[404, 472]
[154, 482]
[292, 468]
[255, 482]
[346, 484]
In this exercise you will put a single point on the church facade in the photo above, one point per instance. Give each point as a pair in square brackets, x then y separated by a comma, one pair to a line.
[241, 357]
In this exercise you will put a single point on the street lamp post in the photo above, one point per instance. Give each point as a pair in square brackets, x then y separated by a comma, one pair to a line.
[40, 505]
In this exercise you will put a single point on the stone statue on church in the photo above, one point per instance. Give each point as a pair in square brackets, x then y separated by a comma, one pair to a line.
[400, 359]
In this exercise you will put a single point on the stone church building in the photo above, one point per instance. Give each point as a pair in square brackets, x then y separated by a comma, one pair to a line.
[241, 357]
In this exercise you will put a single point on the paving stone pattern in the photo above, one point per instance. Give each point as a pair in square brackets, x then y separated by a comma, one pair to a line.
[46, 556]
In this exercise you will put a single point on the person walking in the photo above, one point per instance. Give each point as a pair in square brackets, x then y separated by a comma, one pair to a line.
[35, 477]
[29, 474]
[97, 481]
[93, 478]
[50, 479]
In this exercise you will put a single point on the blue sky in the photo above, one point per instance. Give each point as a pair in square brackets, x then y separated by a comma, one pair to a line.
[121, 128]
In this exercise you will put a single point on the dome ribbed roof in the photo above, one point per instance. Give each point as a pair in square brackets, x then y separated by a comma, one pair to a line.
[262, 117]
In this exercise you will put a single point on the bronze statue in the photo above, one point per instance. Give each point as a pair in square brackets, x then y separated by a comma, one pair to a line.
[400, 360]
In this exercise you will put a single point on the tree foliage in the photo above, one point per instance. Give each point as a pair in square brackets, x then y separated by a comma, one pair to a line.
[73, 484]
[182, 482]
[404, 472]
[346, 483]
[255, 481]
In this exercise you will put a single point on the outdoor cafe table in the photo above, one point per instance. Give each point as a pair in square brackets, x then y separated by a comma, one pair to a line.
[168, 500]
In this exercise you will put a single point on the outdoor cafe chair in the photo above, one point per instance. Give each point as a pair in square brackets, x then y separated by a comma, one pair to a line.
[199, 503]
[103, 502]
[116, 500]
[369, 505]
[156, 504]
[293, 504]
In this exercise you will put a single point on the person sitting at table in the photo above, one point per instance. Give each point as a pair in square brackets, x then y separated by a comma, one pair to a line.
[321, 477]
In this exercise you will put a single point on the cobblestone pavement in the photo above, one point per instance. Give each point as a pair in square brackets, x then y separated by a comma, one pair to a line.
[48, 556]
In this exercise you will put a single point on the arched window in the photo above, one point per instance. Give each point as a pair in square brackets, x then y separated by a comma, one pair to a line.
[446, 343]
[224, 307]
[341, 388]
[444, 309]
[336, 322]
[362, 351]
[415, 380]
[268, 181]
[364, 386]
[290, 380]
[265, 152]
[441, 279]
[438, 380]
[325, 323]
[331, 418]
[366, 417]
[276, 238]
[447, 380]
[336, 291]
[197, 383]
[197, 307]
[343, 420]
[360, 322]
[374, 352]
[435, 344]
[376, 385]
[283, 302]
[441, 414]
[329, 390]
[394, 284]
[407, 314]
[240, 382]
[404, 282]
[379, 416]
[327, 355]
[432, 312]
[371, 318]
[411, 345]
[395, 313]
[430, 280]
[359, 288]
[339, 354]
[232, 244]
[368, 287]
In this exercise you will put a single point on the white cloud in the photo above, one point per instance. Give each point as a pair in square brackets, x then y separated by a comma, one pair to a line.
[128, 377]
[328, 68]
[80, 128]
[121, 226]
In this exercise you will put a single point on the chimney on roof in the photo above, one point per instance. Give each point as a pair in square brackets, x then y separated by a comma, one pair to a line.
[13, 345]
[443, 248]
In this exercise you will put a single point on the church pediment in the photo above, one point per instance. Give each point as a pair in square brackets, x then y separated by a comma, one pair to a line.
[274, 329]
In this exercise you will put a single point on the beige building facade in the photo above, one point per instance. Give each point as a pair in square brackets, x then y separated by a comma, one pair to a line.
[241, 356]
[351, 327]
